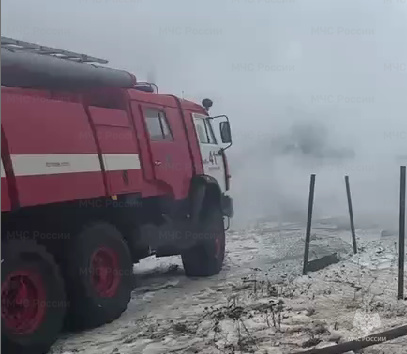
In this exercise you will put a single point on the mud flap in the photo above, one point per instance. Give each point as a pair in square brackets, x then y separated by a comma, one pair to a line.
[227, 206]
[197, 203]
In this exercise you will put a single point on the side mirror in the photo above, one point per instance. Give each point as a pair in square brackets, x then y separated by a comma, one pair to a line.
[225, 132]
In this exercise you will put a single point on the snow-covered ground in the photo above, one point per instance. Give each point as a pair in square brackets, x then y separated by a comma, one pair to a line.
[260, 302]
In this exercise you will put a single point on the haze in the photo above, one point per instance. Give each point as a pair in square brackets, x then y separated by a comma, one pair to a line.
[266, 64]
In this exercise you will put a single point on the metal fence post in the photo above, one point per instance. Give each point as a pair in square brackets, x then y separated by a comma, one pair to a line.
[308, 234]
[402, 218]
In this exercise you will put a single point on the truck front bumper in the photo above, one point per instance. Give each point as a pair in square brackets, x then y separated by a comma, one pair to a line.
[227, 206]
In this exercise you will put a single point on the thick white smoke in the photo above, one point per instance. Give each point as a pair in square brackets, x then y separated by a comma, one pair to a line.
[271, 177]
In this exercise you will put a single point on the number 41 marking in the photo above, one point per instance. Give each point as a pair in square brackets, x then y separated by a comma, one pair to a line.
[212, 158]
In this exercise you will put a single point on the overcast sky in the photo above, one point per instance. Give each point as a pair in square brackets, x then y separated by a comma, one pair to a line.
[265, 63]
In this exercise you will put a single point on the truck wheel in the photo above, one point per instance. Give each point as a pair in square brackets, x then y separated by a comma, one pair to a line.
[33, 300]
[99, 274]
[206, 257]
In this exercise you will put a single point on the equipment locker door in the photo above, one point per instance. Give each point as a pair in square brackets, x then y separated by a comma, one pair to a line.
[118, 149]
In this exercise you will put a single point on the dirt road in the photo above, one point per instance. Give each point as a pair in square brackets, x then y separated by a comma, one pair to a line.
[259, 303]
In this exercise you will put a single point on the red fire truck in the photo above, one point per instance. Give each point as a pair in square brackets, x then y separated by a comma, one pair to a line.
[98, 171]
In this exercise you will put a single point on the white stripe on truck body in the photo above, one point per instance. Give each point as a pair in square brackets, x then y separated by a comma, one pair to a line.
[48, 164]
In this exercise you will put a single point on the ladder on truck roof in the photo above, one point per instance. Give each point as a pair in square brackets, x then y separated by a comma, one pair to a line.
[30, 65]
[17, 45]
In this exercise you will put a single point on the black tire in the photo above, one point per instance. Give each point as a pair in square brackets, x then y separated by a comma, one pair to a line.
[206, 257]
[33, 270]
[90, 307]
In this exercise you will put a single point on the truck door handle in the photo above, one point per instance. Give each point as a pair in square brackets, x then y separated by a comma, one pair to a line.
[157, 163]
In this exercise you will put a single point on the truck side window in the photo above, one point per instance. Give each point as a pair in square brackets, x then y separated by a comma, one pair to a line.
[201, 131]
[157, 125]
[209, 131]
[204, 131]
[165, 127]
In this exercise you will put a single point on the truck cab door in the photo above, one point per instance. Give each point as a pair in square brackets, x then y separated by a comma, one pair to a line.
[213, 164]
[168, 145]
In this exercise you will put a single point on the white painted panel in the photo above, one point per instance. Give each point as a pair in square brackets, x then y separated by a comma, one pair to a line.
[115, 162]
[47, 164]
